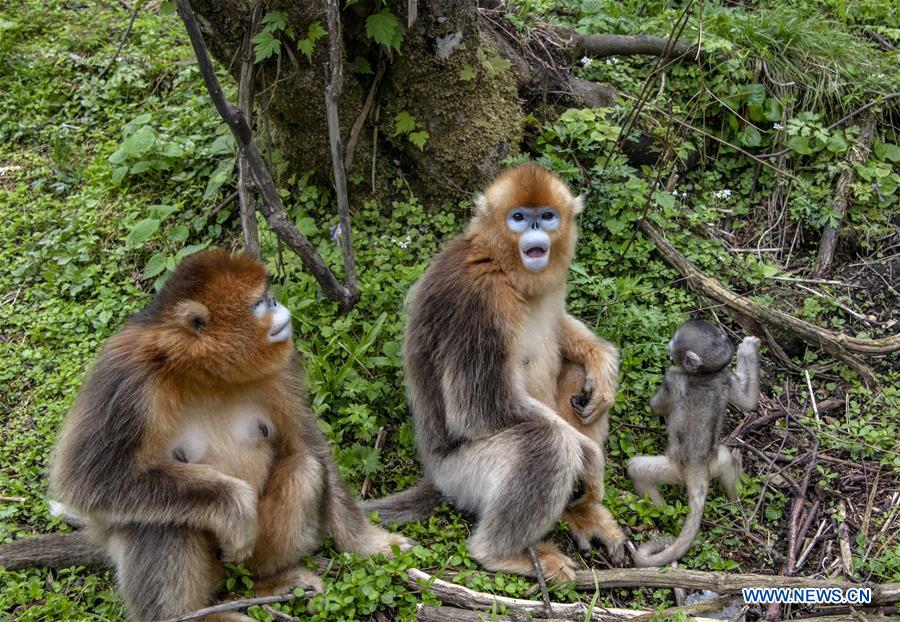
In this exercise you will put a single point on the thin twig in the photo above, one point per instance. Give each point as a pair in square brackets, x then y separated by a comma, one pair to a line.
[115, 56]
[812, 395]
[542, 581]
[363, 115]
[279, 616]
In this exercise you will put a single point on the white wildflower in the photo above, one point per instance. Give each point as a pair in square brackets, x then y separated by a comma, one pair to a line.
[722, 195]
[778, 126]
[405, 242]
[586, 61]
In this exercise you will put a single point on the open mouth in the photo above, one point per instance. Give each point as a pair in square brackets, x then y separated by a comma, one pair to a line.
[281, 332]
[535, 252]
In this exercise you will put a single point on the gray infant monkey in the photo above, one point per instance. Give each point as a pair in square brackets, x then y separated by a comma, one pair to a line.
[693, 397]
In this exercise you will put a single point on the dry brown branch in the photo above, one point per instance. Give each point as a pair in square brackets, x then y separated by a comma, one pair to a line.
[857, 153]
[467, 598]
[361, 118]
[720, 582]
[335, 72]
[838, 345]
[234, 605]
[430, 613]
[271, 205]
[245, 103]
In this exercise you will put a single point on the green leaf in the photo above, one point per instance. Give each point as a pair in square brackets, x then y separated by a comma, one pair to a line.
[404, 123]
[467, 73]
[890, 152]
[139, 167]
[306, 47]
[274, 20]
[496, 65]
[190, 250]
[361, 65]
[419, 138]
[751, 137]
[141, 232]
[385, 29]
[315, 32]
[155, 265]
[665, 200]
[836, 144]
[800, 144]
[265, 45]
[140, 141]
[178, 234]
[772, 110]
[119, 174]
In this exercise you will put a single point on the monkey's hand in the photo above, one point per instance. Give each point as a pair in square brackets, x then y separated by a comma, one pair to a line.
[596, 397]
[237, 533]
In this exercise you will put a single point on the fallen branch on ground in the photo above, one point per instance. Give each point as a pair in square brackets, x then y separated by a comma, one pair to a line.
[234, 605]
[271, 205]
[838, 345]
[467, 598]
[720, 582]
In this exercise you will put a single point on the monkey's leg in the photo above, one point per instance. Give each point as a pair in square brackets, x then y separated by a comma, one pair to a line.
[727, 469]
[164, 571]
[289, 525]
[648, 472]
[518, 481]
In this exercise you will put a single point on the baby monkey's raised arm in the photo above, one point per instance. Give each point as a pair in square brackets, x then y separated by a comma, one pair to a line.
[694, 396]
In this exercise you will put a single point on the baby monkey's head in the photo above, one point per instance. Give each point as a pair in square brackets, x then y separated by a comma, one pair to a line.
[698, 347]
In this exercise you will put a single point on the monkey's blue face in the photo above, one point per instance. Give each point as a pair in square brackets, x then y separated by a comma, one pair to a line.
[533, 224]
[280, 326]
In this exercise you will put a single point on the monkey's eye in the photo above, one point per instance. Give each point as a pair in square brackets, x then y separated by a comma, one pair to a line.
[518, 216]
[547, 215]
[260, 307]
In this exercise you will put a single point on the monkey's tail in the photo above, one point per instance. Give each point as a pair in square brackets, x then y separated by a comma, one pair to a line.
[665, 550]
[54, 550]
[406, 506]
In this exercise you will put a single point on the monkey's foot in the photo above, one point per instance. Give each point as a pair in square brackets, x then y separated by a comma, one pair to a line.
[382, 541]
[285, 582]
[556, 566]
[593, 521]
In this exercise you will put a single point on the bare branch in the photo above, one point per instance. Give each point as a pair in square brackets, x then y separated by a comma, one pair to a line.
[335, 72]
[245, 103]
[271, 205]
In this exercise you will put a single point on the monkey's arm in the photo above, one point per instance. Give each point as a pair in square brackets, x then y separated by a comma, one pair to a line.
[600, 360]
[661, 403]
[743, 391]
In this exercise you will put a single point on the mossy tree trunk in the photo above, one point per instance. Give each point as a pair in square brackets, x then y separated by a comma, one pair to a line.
[473, 121]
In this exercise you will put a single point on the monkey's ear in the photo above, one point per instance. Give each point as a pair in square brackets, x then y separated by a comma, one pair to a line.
[481, 205]
[192, 315]
[578, 204]
[691, 361]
